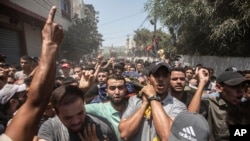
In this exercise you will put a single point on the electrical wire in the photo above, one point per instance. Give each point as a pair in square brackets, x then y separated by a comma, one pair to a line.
[117, 20]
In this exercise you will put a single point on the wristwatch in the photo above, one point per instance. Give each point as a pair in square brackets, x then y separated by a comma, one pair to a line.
[155, 97]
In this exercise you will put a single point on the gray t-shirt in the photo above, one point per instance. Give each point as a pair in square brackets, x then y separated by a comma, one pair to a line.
[146, 131]
[54, 130]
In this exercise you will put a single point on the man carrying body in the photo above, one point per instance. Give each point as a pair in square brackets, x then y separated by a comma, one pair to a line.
[72, 122]
[219, 111]
[150, 117]
[112, 110]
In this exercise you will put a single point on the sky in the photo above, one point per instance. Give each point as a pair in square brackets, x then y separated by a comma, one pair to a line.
[118, 19]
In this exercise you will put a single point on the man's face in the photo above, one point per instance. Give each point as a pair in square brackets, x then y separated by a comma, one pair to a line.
[102, 77]
[160, 80]
[65, 70]
[118, 71]
[177, 81]
[26, 64]
[12, 71]
[232, 94]
[116, 90]
[10, 80]
[78, 71]
[22, 97]
[72, 115]
[139, 66]
[189, 74]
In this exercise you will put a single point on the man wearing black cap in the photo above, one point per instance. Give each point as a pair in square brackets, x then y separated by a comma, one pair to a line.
[230, 86]
[149, 117]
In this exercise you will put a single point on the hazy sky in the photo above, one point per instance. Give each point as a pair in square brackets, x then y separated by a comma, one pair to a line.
[119, 18]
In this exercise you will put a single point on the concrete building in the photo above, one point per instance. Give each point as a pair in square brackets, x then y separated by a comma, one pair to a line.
[78, 8]
[83, 10]
[21, 22]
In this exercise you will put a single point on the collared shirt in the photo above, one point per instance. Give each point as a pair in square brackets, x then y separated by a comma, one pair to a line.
[54, 130]
[215, 111]
[107, 111]
[147, 131]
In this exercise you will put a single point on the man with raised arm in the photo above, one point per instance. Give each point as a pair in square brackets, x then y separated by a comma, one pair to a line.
[24, 123]
[149, 118]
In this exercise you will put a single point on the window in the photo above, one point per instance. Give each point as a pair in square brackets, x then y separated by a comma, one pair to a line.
[66, 8]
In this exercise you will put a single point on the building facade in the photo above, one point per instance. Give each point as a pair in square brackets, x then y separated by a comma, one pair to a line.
[21, 22]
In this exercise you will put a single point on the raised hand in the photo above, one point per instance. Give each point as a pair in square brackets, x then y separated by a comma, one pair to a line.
[203, 75]
[87, 79]
[52, 32]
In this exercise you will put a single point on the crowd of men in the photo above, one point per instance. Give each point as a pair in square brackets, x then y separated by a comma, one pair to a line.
[113, 99]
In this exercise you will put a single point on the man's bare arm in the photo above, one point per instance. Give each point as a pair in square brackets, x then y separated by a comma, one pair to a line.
[24, 124]
[194, 105]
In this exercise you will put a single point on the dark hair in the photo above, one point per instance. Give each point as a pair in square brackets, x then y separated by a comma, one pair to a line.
[119, 66]
[69, 81]
[179, 69]
[78, 66]
[104, 70]
[26, 57]
[116, 77]
[64, 95]
[189, 68]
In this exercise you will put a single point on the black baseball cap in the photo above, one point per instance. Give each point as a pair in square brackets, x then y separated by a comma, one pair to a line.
[231, 78]
[156, 65]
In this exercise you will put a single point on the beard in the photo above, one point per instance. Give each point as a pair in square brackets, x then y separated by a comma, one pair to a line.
[116, 102]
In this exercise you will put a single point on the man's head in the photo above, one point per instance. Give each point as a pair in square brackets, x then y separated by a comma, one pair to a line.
[118, 69]
[177, 80]
[78, 70]
[231, 86]
[10, 79]
[68, 103]
[189, 73]
[65, 68]
[159, 76]
[26, 63]
[132, 68]
[12, 97]
[116, 89]
[139, 66]
[12, 70]
[102, 76]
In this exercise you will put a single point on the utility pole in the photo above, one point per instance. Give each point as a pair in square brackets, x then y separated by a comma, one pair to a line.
[155, 20]
[154, 36]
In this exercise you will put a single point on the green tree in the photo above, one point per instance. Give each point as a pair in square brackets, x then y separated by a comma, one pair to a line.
[144, 38]
[81, 38]
[206, 27]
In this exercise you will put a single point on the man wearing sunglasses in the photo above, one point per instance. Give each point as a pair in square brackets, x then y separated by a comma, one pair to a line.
[114, 108]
